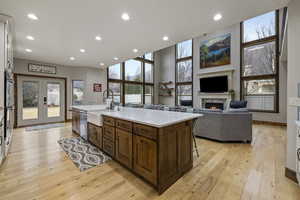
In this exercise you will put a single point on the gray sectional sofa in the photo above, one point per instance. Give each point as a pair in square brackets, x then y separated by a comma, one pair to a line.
[233, 125]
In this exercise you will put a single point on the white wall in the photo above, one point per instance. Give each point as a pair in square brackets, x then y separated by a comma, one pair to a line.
[167, 73]
[166, 68]
[234, 63]
[89, 75]
[293, 79]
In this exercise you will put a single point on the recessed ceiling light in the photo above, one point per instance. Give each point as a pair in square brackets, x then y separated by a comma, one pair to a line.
[102, 64]
[98, 38]
[135, 50]
[72, 58]
[165, 38]
[125, 17]
[29, 37]
[82, 50]
[32, 16]
[28, 50]
[217, 17]
[115, 58]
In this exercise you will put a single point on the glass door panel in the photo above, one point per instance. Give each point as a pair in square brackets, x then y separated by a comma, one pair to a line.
[30, 92]
[53, 100]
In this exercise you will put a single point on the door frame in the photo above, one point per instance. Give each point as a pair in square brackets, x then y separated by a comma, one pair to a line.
[16, 96]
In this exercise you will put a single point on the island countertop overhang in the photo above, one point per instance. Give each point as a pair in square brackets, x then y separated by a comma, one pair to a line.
[154, 118]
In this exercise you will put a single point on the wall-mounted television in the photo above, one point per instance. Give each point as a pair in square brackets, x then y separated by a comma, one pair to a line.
[218, 84]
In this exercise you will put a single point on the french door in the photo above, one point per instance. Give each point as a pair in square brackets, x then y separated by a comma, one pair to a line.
[40, 100]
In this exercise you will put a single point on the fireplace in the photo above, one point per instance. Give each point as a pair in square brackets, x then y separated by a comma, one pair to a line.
[214, 106]
[214, 103]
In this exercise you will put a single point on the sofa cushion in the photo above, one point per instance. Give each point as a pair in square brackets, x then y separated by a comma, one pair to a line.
[238, 104]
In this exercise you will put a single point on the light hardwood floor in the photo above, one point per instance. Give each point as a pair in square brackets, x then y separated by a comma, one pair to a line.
[37, 168]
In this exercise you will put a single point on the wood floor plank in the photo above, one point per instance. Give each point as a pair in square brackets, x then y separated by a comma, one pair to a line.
[37, 168]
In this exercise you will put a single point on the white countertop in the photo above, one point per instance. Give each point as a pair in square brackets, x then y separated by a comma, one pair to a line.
[155, 118]
[89, 108]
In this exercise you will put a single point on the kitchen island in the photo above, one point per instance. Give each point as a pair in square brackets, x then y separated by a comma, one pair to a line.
[155, 145]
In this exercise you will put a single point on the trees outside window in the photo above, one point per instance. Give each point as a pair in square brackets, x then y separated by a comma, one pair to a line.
[259, 64]
[184, 73]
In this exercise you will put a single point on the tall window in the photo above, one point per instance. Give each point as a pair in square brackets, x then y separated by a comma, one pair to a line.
[133, 81]
[77, 92]
[259, 62]
[184, 73]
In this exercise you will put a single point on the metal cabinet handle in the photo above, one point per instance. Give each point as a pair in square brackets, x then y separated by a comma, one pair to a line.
[298, 154]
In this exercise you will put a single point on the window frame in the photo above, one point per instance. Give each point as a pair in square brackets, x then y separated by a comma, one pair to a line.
[243, 45]
[122, 81]
[178, 60]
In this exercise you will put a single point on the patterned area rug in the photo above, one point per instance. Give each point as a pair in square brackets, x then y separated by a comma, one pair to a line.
[41, 127]
[83, 154]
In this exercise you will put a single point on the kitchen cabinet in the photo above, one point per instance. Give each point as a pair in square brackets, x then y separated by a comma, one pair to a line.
[159, 155]
[124, 147]
[95, 135]
[145, 158]
[109, 139]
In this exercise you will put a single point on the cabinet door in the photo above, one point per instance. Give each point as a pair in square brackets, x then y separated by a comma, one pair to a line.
[145, 158]
[124, 147]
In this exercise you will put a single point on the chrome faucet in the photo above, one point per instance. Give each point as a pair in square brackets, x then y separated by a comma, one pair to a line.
[106, 96]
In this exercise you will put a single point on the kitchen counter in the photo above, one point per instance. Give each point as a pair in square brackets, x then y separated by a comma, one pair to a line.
[156, 145]
[154, 118]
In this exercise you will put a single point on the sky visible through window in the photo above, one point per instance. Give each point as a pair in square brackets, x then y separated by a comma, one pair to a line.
[259, 27]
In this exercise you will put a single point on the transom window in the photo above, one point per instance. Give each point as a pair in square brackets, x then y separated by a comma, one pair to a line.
[184, 73]
[133, 80]
[259, 64]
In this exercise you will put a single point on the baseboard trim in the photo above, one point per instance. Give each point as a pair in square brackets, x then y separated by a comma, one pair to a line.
[291, 174]
[269, 123]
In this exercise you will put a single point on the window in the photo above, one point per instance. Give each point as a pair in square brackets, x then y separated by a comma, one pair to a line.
[259, 27]
[148, 56]
[184, 73]
[259, 64]
[148, 72]
[148, 94]
[114, 72]
[133, 93]
[133, 70]
[116, 88]
[77, 92]
[184, 93]
[135, 80]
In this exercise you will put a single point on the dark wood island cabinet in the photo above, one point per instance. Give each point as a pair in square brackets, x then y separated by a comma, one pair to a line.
[160, 156]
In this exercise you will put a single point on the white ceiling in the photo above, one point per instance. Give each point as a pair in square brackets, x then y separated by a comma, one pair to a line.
[65, 26]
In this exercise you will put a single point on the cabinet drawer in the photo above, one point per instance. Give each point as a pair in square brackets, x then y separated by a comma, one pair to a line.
[109, 132]
[108, 147]
[146, 131]
[125, 125]
[108, 120]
